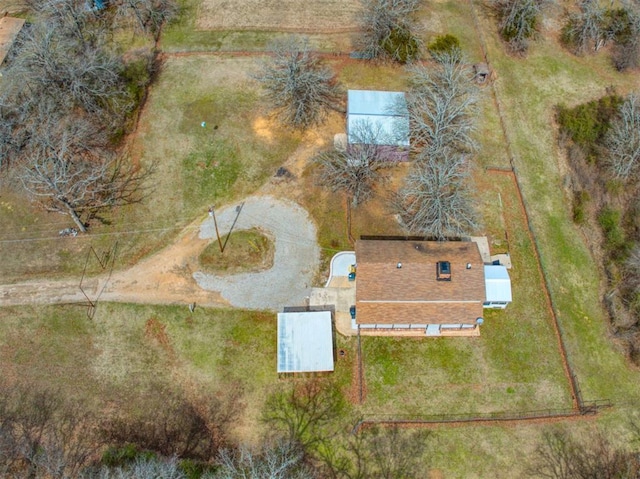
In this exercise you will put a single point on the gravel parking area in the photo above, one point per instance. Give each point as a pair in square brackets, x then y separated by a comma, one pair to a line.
[296, 260]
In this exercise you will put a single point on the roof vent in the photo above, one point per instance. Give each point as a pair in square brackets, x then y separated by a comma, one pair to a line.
[443, 271]
[468, 265]
[399, 265]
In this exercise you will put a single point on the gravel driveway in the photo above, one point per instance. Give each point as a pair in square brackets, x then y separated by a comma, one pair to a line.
[296, 259]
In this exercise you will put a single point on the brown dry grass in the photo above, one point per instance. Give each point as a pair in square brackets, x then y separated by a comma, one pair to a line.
[12, 6]
[245, 251]
[282, 15]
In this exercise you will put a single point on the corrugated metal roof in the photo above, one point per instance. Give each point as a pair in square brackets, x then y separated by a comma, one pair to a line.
[497, 283]
[385, 113]
[305, 342]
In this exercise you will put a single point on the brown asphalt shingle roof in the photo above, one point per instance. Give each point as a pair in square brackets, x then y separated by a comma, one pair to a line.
[386, 294]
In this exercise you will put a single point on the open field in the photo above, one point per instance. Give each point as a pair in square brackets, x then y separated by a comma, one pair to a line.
[550, 76]
[126, 347]
[283, 15]
[196, 167]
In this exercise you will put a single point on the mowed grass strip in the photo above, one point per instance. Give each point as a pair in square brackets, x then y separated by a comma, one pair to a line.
[199, 27]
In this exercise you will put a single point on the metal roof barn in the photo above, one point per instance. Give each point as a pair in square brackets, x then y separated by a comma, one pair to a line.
[497, 283]
[384, 112]
[305, 342]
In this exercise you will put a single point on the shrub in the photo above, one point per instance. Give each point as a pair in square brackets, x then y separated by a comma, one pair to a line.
[614, 237]
[401, 45]
[446, 44]
[127, 454]
[618, 25]
[587, 124]
[580, 200]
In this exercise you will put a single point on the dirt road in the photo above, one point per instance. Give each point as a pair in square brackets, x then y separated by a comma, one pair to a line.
[171, 276]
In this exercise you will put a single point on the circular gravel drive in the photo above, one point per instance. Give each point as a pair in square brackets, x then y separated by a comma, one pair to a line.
[296, 259]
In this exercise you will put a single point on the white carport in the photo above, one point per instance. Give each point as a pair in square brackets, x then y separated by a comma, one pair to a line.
[305, 342]
[497, 286]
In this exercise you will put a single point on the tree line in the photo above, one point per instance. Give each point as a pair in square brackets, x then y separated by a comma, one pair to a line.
[588, 25]
[602, 140]
[67, 98]
[162, 434]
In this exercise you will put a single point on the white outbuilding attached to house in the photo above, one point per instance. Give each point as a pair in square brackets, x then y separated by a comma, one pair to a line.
[305, 342]
[497, 286]
[379, 118]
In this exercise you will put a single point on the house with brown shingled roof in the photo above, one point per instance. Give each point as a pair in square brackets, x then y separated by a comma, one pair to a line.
[431, 288]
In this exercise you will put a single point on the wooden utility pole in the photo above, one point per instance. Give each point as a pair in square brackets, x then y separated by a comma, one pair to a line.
[212, 213]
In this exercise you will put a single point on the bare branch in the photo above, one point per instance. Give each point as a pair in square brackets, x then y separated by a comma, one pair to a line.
[388, 29]
[300, 89]
[69, 171]
[518, 21]
[148, 16]
[442, 104]
[358, 169]
[623, 140]
[435, 200]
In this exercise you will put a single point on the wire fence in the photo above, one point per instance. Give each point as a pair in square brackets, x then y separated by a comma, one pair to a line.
[589, 408]
[579, 403]
[580, 407]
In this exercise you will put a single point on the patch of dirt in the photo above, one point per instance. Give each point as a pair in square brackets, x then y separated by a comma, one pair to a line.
[263, 128]
[157, 332]
[282, 15]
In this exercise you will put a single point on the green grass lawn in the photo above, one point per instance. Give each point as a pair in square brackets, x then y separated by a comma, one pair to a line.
[125, 348]
[513, 366]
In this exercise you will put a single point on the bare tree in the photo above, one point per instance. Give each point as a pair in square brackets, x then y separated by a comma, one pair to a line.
[377, 453]
[280, 459]
[358, 168]
[622, 141]
[586, 29]
[174, 426]
[148, 15]
[304, 411]
[388, 29]
[43, 437]
[442, 103]
[435, 198]
[142, 468]
[299, 87]
[75, 75]
[518, 21]
[626, 52]
[560, 456]
[67, 170]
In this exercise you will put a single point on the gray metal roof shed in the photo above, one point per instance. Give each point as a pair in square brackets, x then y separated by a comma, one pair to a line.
[497, 283]
[384, 112]
[305, 342]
